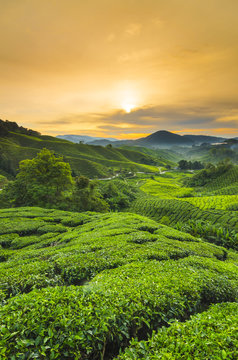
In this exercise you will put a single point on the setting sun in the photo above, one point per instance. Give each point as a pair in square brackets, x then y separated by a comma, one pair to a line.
[128, 107]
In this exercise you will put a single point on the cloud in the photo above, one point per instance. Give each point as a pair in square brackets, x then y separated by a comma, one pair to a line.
[133, 29]
[65, 64]
[182, 119]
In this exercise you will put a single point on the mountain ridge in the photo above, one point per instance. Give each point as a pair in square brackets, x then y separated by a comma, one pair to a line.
[85, 138]
[164, 139]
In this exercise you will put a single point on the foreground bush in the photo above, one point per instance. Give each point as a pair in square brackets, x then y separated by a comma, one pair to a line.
[99, 318]
[50, 248]
[210, 335]
[131, 276]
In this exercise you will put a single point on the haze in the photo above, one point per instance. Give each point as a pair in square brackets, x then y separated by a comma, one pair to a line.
[120, 68]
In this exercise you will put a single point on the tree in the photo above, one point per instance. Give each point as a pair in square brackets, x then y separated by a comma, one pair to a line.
[85, 196]
[183, 164]
[3, 129]
[41, 181]
[118, 194]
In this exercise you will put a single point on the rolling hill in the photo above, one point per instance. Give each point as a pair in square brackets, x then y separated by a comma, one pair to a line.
[17, 143]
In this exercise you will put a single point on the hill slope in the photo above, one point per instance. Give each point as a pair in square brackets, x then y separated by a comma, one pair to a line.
[92, 161]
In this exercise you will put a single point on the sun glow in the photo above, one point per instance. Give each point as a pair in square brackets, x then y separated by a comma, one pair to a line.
[128, 107]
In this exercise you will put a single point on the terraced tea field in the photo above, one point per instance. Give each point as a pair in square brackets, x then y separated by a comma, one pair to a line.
[224, 183]
[166, 186]
[164, 198]
[223, 202]
[83, 285]
[181, 210]
[167, 199]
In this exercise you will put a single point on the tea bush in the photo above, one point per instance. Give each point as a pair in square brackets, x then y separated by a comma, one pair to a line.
[210, 335]
[78, 253]
[100, 317]
[86, 291]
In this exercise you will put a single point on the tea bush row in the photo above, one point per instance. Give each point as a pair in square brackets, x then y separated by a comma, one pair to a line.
[216, 234]
[213, 202]
[180, 211]
[97, 319]
[105, 241]
[210, 335]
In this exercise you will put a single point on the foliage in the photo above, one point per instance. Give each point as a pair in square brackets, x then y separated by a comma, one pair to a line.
[213, 202]
[67, 248]
[190, 165]
[3, 181]
[7, 126]
[210, 173]
[117, 193]
[210, 335]
[181, 211]
[164, 186]
[103, 315]
[216, 234]
[46, 181]
[86, 197]
[40, 181]
[164, 199]
[121, 290]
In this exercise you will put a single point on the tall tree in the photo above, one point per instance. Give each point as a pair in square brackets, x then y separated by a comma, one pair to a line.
[86, 197]
[42, 180]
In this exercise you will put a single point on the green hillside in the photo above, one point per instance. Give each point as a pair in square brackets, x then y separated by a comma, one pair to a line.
[183, 210]
[160, 154]
[92, 161]
[203, 211]
[81, 286]
[212, 153]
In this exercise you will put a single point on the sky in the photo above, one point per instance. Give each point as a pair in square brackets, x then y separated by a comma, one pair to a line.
[120, 68]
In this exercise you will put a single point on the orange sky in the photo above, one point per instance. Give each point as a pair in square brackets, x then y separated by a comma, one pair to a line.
[120, 68]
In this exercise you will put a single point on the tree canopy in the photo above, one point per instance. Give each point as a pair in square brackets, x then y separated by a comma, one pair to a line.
[41, 180]
[46, 181]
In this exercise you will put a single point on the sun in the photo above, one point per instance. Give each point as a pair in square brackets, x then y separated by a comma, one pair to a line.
[128, 107]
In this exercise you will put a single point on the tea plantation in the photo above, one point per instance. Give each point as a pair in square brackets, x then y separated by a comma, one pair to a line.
[88, 160]
[112, 286]
[207, 211]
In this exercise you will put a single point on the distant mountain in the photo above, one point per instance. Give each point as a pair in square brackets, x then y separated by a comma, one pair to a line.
[200, 139]
[86, 139]
[162, 139]
[159, 139]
